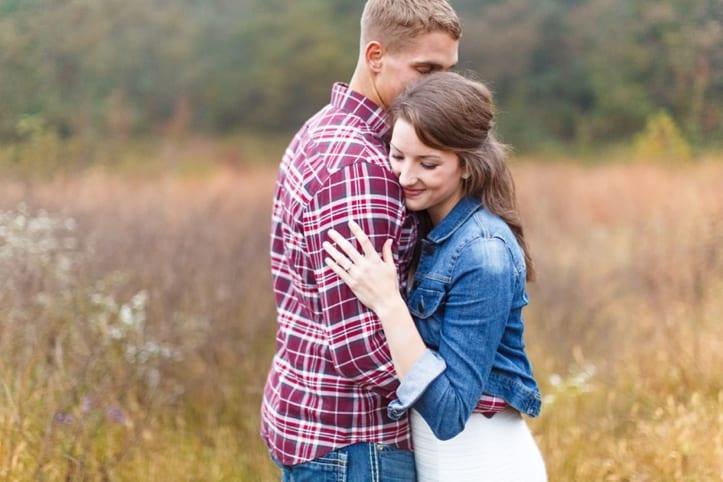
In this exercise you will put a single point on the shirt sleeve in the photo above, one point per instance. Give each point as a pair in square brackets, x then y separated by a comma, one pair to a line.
[476, 309]
[370, 195]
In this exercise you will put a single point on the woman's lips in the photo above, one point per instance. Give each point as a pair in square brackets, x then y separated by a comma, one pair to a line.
[412, 193]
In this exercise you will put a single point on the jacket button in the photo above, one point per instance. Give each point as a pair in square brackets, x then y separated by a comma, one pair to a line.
[429, 249]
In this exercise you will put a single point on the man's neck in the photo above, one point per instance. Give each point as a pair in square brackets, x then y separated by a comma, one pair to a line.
[362, 82]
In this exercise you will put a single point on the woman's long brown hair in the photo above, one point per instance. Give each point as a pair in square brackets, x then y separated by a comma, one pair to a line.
[451, 112]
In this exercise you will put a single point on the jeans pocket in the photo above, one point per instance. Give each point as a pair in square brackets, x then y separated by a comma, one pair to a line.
[395, 464]
[329, 468]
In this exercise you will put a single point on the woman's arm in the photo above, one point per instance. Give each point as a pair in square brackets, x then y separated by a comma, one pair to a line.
[477, 306]
[476, 310]
[374, 281]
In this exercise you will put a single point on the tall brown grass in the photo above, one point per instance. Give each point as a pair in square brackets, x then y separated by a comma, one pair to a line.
[625, 320]
[137, 321]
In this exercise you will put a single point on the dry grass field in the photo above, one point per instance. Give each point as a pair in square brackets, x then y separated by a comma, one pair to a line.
[136, 323]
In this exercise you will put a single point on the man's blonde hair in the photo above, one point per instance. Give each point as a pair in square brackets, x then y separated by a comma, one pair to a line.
[394, 22]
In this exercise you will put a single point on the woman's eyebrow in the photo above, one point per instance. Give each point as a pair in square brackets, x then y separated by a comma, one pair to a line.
[418, 157]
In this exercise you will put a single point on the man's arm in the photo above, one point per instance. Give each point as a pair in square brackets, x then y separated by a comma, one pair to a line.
[369, 195]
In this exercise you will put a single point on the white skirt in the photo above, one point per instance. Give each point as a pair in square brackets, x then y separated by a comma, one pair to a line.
[497, 449]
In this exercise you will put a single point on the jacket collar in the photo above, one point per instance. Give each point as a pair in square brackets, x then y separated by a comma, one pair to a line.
[462, 211]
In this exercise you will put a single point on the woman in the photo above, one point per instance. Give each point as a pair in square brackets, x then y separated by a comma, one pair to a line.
[460, 332]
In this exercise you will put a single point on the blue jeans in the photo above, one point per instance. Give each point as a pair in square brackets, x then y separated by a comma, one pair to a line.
[363, 462]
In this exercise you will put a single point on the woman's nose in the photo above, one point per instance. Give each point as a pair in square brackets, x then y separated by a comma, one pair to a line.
[406, 177]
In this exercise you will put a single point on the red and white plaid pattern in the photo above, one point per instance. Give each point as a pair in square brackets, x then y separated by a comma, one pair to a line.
[332, 376]
[489, 405]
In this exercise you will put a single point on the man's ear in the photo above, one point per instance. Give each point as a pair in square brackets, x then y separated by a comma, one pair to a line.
[373, 55]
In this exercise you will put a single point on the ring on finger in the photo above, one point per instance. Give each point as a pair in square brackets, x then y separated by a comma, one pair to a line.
[348, 266]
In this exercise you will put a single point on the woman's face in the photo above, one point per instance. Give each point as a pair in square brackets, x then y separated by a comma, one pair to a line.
[431, 178]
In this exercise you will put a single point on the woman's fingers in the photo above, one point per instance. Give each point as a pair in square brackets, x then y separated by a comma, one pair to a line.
[345, 245]
[336, 256]
[387, 255]
[362, 238]
[341, 272]
[349, 249]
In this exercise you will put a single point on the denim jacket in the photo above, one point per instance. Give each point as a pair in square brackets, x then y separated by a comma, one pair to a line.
[467, 300]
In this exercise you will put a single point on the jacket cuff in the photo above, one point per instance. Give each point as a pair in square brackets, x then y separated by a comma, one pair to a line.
[424, 371]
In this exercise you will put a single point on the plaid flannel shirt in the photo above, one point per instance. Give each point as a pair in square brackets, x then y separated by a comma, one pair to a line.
[332, 376]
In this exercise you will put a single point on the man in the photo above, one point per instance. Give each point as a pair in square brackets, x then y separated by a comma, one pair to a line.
[325, 402]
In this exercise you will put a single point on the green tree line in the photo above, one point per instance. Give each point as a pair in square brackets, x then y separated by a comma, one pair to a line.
[581, 72]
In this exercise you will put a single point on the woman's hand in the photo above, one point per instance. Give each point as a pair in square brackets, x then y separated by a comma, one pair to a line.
[372, 279]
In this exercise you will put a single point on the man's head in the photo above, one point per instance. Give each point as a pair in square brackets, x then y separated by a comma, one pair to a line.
[393, 23]
[401, 41]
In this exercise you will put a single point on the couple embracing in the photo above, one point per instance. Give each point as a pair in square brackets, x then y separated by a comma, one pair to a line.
[399, 268]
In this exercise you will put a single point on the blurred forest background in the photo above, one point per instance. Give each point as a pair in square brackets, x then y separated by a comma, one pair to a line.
[138, 146]
[565, 72]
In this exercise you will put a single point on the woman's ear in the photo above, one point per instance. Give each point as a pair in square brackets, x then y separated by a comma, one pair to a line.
[465, 169]
[373, 55]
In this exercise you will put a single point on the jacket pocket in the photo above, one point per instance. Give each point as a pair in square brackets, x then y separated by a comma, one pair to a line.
[424, 302]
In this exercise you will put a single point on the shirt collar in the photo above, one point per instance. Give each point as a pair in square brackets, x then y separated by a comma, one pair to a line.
[465, 208]
[352, 102]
